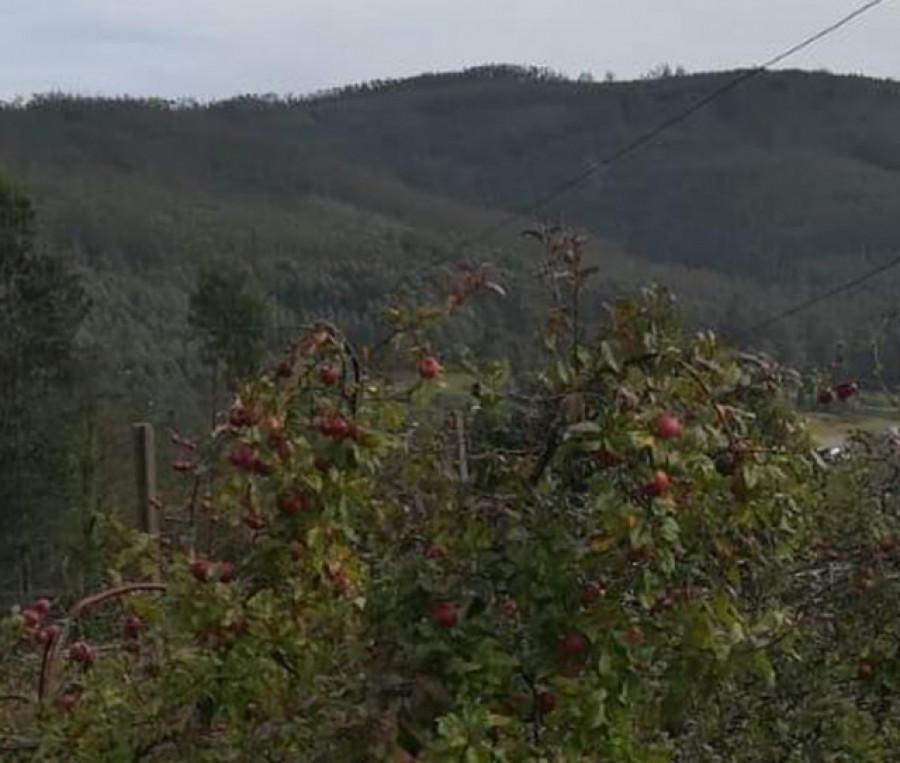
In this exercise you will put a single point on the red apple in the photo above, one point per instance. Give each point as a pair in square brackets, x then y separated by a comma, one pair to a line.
[591, 592]
[291, 505]
[132, 627]
[254, 522]
[669, 426]
[341, 429]
[547, 702]
[509, 608]
[329, 376]
[67, 701]
[42, 607]
[435, 551]
[446, 614]
[826, 397]
[429, 368]
[239, 417]
[865, 669]
[261, 467]
[573, 644]
[226, 572]
[607, 459]
[200, 569]
[30, 618]
[659, 485]
[335, 427]
[181, 465]
[82, 653]
[243, 457]
[46, 635]
[284, 370]
[847, 390]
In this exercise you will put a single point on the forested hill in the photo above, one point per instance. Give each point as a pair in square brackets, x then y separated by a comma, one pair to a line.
[823, 151]
[789, 166]
[779, 189]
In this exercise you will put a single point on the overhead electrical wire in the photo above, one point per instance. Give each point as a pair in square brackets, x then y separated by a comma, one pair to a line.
[649, 136]
[812, 301]
[653, 133]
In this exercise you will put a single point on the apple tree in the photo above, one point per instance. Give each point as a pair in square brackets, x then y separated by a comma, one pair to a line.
[593, 562]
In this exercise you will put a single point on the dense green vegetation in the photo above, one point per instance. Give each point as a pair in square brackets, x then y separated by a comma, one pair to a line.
[631, 555]
[42, 304]
[335, 203]
[776, 191]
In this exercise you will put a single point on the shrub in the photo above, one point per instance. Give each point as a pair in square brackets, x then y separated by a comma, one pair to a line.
[543, 576]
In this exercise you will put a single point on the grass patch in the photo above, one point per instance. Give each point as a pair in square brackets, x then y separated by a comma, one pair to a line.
[831, 428]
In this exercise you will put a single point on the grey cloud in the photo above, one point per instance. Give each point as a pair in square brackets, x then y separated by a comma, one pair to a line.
[220, 47]
[83, 24]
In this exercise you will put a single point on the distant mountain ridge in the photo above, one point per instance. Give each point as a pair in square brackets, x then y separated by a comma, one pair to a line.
[774, 191]
[816, 157]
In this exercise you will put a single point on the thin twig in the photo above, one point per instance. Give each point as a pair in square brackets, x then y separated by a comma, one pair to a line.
[124, 590]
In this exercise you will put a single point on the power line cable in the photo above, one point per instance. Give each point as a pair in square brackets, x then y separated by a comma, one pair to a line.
[652, 134]
[812, 301]
[788, 313]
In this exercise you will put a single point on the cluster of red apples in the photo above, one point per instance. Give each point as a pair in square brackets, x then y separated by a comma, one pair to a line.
[573, 647]
[842, 392]
[37, 627]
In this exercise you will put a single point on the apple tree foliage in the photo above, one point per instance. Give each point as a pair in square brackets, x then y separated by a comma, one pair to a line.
[546, 572]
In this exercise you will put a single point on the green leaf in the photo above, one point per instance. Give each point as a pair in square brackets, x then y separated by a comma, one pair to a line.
[605, 665]
[670, 529]
[750, 475]
[583, 429]
[609, 358]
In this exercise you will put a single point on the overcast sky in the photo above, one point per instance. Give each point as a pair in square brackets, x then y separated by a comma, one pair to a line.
[215, 48]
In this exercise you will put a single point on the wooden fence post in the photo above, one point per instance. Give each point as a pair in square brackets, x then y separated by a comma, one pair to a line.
[145, 473]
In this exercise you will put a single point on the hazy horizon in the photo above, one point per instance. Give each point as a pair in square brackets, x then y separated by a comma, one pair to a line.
[213, 49]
